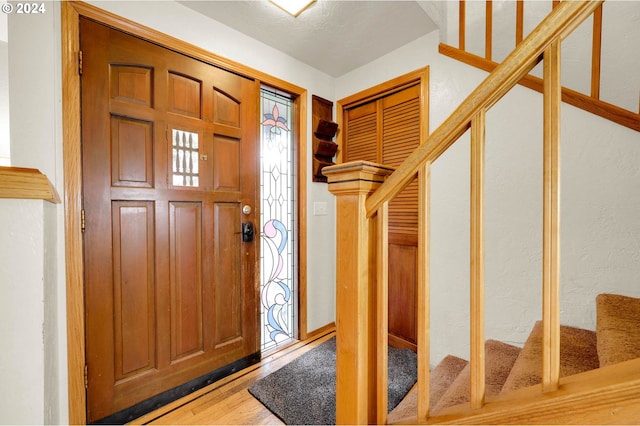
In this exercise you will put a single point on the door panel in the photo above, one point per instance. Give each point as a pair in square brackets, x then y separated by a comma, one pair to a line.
[362, 133]
[131, 84]
[134, 307]
[226, 160]
[228, 297]
[131, 152]
[170, 287]
[185, 229]
[184, 95]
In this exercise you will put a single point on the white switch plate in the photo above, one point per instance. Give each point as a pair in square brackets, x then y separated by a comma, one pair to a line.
[320, 208]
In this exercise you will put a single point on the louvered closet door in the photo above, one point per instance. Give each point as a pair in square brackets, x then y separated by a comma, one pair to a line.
[400, 136]
[362, 133]
[387, 130]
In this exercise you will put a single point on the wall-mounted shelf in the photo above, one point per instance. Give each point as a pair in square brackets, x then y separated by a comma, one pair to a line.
[324, 130]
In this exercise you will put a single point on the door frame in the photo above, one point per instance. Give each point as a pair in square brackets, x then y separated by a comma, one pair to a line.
[72, 165]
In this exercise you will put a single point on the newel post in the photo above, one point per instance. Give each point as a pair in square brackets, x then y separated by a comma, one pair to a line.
[356, 379]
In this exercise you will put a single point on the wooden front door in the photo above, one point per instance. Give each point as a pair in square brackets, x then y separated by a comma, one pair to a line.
[169, 161]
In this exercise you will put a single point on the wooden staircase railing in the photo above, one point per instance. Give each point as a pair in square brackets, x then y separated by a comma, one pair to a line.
[363, 191]
[591, 101]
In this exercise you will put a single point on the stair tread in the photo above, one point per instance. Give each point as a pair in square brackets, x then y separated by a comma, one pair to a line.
[618, 328]
[444, 375]
[578, 353]
[440, 378]
[499, 359]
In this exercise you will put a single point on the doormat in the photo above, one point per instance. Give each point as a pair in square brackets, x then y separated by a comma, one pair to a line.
[303, 392]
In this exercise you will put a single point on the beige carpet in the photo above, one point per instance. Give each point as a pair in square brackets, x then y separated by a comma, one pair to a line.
[444, 375]
[578, 353]
[618, 328]
[499, 358]
[440, 377]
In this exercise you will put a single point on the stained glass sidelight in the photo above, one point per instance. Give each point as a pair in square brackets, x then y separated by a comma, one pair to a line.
[278, 291]
[185, 158]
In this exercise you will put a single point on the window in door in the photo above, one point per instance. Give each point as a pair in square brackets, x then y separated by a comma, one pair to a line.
[278, 216]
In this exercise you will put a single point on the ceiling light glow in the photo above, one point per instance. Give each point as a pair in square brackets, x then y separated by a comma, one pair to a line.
[293, 7]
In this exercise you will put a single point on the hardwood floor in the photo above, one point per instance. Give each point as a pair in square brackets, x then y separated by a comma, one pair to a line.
[228, 401]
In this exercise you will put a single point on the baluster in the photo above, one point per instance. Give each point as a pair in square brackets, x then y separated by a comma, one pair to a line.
[519, 21]
[551, 220]
[424, 344]
[462, 11]
[488, 43]
[596, 53]
[382, 271]
[477, 260]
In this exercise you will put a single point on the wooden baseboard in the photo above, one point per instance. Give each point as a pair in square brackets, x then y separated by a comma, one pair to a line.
[400, 343]
[321, 331]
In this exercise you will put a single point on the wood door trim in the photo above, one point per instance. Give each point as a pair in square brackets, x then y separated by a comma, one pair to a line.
[72, 163]
[394, 85]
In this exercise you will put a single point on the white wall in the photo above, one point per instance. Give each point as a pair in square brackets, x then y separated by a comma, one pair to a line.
[36, 141]
[28, 355]
[600, 203]
[4, 92]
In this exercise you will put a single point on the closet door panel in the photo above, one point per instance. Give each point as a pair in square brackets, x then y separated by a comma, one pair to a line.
[386, 130]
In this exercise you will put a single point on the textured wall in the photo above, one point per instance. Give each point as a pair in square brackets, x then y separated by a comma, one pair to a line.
[4, 91]
[36, 141]
[22, 311]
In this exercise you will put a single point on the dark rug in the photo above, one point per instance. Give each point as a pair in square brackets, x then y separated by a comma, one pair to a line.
[303, 392]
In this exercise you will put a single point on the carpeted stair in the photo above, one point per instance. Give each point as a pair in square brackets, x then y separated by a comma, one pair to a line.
[499, 358]
[508, 368]
[618, 328]
[441, 378]
[578, 353]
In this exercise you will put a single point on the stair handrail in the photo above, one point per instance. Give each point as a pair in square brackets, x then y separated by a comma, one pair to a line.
[557, 25]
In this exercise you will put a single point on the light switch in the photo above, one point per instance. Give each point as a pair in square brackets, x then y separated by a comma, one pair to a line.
[320, 208]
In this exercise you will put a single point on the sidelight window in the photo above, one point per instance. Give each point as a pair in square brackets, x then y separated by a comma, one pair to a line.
[278, 216]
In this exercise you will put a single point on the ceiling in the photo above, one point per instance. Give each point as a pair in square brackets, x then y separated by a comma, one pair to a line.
[333, 36]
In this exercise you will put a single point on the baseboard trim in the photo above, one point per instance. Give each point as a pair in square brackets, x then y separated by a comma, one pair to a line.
[321, 331]
[400, 343]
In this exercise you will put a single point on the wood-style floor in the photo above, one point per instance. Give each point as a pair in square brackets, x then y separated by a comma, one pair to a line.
[228, 401]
